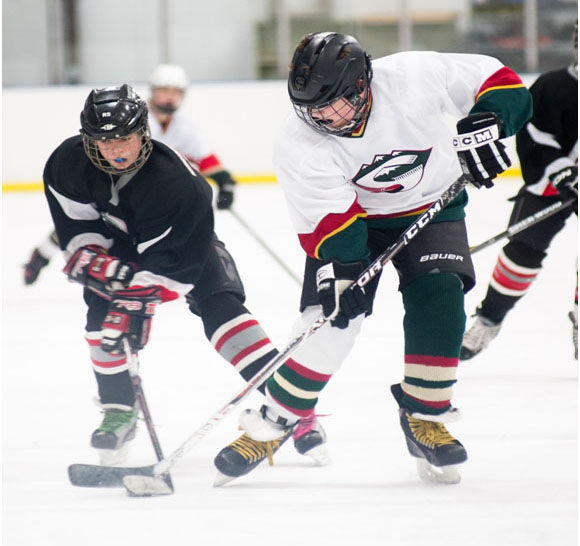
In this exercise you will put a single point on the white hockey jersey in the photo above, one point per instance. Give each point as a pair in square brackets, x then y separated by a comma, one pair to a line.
[403, 159]
[181, 134]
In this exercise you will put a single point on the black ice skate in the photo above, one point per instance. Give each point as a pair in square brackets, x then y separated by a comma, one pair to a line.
[111, 438]
[261, 439]
[32, 269]
[310, 439]
[437, 452]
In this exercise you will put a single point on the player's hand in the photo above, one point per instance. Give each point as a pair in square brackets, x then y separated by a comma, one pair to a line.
[341, 303]
[481, 154]
[566, 182]
[92, 267]
[226, 186]
[129, 316]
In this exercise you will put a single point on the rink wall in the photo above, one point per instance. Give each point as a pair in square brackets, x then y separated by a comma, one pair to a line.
[239, 120]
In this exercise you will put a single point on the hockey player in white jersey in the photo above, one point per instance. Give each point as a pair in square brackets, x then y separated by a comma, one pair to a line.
[366, 150]
[170, 125]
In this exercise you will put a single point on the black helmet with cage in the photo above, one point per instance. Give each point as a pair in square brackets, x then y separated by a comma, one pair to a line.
[327, 66]
[114, 112]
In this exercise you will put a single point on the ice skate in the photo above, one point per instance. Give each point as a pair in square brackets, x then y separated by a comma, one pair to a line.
[478, 337]
[573, 316]
[111, 439]
[438, 453]
[261, 439]
[32, 268]
[310, 439]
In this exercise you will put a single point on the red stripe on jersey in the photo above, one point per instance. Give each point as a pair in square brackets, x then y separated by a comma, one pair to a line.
[306, 372]
[249, 350]
[164, 293]
[329, 226]
[504, 78]
[113, 364]
[233, 331]
[209, 163]
[429, 360]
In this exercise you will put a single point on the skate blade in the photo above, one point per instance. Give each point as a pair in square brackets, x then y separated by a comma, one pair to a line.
[147, 486]
[114, 457]
[319, 455]
[222, 479]
[438, 474]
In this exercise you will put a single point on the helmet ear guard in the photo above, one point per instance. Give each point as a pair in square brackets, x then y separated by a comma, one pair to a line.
[112, 113]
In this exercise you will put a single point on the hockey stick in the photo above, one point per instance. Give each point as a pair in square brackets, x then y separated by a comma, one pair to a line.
[525, 223]
[140, 396]
[84, 475]
[263, 244]
[147, 482]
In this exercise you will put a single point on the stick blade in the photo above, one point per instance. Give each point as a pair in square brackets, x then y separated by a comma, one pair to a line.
[147, 486]
[91, 475]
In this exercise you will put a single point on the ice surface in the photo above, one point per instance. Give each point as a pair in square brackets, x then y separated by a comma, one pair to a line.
[519, 402]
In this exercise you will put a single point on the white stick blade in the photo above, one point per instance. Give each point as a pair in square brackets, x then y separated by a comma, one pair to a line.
[146, 486]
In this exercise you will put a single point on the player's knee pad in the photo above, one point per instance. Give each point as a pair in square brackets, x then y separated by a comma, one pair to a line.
[434, 320]
[325, 351]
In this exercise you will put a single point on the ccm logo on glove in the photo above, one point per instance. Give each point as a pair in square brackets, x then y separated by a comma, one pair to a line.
[476, 138]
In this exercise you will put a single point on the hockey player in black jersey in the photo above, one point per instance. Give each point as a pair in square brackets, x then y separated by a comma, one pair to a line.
[135, 224]
[548, 151]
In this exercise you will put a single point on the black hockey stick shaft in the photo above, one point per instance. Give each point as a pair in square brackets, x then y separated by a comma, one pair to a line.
[142, 401]
[266, 247]
[525, 223]
[365, 277]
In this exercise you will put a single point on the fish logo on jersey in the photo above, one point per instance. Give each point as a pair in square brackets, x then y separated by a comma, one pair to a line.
[398, 171]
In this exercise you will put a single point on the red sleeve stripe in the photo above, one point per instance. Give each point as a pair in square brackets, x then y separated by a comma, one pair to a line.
[504, 78]
[209, 163]
[165, 293]
[330, 225]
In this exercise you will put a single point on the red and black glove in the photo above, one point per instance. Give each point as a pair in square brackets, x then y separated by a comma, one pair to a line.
[129, 316]
[481, 154]
[341, 303]
[92, 267]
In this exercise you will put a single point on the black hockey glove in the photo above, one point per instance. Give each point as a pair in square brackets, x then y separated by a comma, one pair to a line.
[566, 182]
[129, 316]
[339, 302]
[481, 154]
[226, 185]
[92, 267]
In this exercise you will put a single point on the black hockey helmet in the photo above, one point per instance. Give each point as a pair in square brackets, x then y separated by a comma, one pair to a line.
[327, 66]
[114, 112]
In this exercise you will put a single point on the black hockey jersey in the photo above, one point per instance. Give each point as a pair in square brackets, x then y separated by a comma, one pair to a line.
[549, 142]
[160, 216]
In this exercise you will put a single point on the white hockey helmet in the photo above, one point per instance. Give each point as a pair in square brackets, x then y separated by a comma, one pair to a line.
[168, 75]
